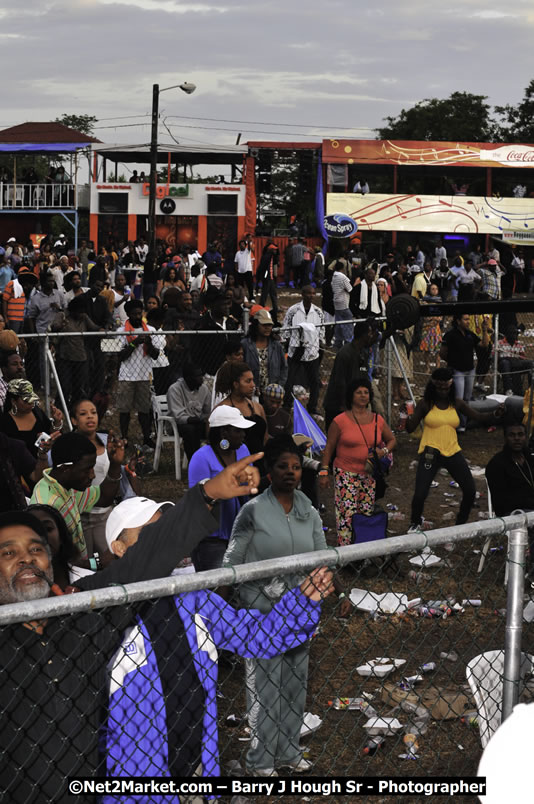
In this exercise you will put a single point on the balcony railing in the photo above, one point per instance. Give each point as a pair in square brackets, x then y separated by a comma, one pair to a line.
[36, 196]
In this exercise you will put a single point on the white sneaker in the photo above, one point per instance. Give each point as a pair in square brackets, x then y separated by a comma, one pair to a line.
[299, 766]
[414, 529]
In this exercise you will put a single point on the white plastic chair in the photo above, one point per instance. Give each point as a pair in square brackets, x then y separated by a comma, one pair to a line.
[38, 195]
[485, 676]
[164, 424]
[487, 543]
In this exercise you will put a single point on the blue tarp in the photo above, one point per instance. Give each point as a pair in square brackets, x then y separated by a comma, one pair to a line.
[303, 422]
[57, 147]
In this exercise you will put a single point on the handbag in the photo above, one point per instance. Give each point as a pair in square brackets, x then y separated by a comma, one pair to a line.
[375, 466]
[369, 528]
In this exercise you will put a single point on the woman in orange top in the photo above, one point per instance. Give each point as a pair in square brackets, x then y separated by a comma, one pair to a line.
[350, 437]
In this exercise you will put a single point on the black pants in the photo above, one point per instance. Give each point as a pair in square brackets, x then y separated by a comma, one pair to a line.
[245, 280]
[268, 288]
[458, 469]
[192, 435]
[301, 372]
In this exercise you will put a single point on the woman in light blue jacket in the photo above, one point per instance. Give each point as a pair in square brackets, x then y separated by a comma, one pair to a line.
[280, 522]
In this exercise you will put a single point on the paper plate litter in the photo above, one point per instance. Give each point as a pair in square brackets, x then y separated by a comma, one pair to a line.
[379, 667]
[386, 602]
[310, 724]
[382, 725]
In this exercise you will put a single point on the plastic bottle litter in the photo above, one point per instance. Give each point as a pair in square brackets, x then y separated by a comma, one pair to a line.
[359, 704]
[372, 746]
[397, 515]
[434, 484]
[470, 719]
[454, 484]
[448, 494]
[451, 656]
[410, 742]
[471, 602]
[409, 682]
[427, 667]
[391, 507]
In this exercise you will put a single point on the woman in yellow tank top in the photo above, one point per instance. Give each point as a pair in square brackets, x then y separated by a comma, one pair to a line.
[440, 410]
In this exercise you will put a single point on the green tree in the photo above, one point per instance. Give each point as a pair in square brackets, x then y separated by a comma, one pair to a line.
[517, 122]
[80, 122]
[462, 116]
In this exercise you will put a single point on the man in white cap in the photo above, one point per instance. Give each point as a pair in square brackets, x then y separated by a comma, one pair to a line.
[168, 661]
[226, 437]
[55, 678]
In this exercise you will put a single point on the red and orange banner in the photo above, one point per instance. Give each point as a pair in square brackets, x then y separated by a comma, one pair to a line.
[411, 152]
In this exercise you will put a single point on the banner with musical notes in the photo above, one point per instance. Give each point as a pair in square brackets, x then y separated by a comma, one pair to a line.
[406, 152]
[434, 213]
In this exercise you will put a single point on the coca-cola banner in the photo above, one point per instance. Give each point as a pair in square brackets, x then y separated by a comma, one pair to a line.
[408, 152]
[434, 213]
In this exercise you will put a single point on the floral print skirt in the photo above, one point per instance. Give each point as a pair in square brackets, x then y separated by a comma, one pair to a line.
[354, 493]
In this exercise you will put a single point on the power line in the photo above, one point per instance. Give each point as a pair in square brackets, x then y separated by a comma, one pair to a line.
[263, 123]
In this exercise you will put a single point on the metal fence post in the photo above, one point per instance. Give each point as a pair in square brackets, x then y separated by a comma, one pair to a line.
[495, 353]
[517, 544]
[46, 375]
[388, 379]
[52, 366]
[246, 318]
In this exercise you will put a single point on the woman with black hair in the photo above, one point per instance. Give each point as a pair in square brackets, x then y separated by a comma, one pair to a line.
[237, 381]
[350, 437]
[226, 436]
[439, 410]
[280, 522]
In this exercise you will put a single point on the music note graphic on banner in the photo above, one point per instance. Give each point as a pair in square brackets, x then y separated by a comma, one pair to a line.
[503, 218]
[477, 208]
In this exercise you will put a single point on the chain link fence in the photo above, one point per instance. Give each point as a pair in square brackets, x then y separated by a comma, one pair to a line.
[125, 682]
[401, 369]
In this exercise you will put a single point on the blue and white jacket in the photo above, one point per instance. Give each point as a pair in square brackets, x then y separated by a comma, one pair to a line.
[136, 737]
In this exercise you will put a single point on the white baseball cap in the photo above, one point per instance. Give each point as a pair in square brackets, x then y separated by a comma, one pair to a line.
[131, 513]
[225, 415]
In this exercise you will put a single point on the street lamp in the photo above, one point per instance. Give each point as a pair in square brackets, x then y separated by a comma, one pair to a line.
[188, 89]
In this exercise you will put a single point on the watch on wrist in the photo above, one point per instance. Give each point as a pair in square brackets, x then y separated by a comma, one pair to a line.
[207, 499]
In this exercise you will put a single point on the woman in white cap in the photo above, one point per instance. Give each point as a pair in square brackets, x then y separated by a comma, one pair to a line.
[226, 436]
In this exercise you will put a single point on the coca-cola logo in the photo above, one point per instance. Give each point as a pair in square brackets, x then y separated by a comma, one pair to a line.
[520, 156]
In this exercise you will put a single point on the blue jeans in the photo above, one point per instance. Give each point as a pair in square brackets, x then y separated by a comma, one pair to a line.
[343, 333]
[463, 383]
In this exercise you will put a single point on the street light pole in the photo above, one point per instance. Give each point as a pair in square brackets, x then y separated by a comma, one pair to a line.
[153, 171]
[188, 89]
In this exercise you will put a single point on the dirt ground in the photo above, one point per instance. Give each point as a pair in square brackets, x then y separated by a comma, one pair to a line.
[449, 747]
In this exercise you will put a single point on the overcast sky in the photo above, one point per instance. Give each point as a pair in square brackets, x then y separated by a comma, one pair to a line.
[334, 68]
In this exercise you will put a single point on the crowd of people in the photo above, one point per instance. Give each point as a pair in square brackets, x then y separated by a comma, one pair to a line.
[190, 328]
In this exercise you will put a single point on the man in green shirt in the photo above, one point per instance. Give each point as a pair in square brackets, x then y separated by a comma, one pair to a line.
[67, 486]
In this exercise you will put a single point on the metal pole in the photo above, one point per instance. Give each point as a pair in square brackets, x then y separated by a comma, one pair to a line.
[495, 353]
[46, 376]
[153, 170]
[50, 360]
[530, 402]
[517, 544]
[246, 319]
[389, 389]
[403, 372]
